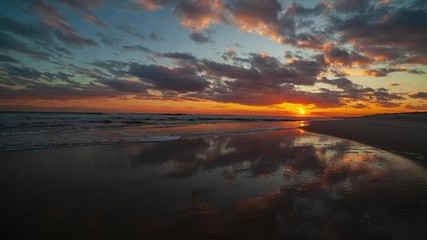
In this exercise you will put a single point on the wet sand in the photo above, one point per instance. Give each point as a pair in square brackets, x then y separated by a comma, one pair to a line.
[288, 184]
[405, 134]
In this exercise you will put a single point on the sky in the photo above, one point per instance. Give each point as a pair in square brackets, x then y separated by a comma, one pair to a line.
[252, 57]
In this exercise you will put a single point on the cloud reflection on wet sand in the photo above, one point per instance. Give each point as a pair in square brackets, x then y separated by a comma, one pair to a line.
[281, 184]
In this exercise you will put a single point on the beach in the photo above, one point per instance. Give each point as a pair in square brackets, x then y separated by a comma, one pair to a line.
[270, 184]
[404, 134]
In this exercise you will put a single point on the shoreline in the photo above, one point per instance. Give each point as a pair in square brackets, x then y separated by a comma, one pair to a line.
[404, 137]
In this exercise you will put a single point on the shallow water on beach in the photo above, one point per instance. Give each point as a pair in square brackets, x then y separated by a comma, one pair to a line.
[286, 184]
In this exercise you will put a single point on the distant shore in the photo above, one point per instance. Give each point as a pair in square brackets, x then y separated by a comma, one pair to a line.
[403, 134]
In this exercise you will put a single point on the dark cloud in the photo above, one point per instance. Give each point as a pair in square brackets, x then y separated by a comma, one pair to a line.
[199, 14]
[8, 59]
[54, 19]
[155, 37]
[55, 92]
[400, 29]
[199, 37]
[266, 71]
[63, 50]
[114, 68]
[186, 57]
[126, 86]
[380, 96]
[415, 71]
[75, 39]
[59, 76]
[30, 31]
[19, 74]
[298, 10]
[136, 48]
[341, 57]
[384, 99]
[128, 29]
[422, 95]
[25, 76]
[82, 4]
[180, 79]
[382, 72]
[9, 43]
[349, 6]
[110, 41]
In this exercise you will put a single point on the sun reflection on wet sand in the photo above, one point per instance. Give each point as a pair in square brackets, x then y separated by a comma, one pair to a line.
[280, 184]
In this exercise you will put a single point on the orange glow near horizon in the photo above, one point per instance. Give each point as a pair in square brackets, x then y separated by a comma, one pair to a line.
[131, 105]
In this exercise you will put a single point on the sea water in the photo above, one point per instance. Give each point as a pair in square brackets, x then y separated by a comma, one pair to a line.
[27, 130]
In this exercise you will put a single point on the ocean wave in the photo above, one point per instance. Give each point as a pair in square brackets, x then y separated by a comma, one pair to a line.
[19, 131]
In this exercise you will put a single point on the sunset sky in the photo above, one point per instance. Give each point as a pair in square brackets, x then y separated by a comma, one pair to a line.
[306, 57]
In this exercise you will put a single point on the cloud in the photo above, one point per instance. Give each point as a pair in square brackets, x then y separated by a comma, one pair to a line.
[30, 31]
[155, 37]
[153, 4]
[83, 5]
[340, 57]
[8, 59]
[128, 86]
[9, 43]
[93, 19]
[422, 95]
[260, 16]
[199, 37]
[54, 19]
[298, 10]
[359, 106]
[399, 29]
[64, 50]
[108, 40]
[199, 14]
[136, 48]
[349, 6]
[55, 92]
[179, 79]
[130, 30]
[229, 54]
[380, 96]
[19, 75]
[75, 39]
[415, 71]
[114, 68]
[382, 72]
[372, 30]
[422, 107]
[181, 57]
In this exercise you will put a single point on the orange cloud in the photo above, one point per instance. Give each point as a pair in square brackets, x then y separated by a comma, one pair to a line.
[149, 4]
[258, 16]
[198, 15]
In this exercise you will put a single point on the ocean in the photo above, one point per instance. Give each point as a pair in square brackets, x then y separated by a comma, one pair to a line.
[34, 130]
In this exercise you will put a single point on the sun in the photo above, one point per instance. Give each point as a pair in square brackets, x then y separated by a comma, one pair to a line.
[302, 112]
